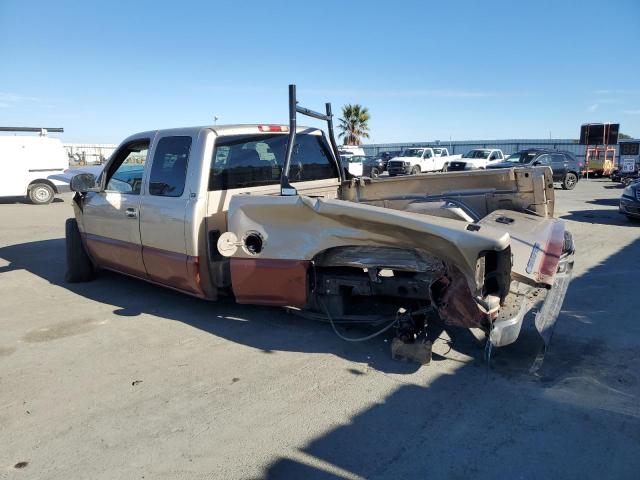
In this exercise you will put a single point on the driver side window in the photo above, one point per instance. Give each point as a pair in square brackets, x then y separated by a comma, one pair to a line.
[543, 160]
[125, 173]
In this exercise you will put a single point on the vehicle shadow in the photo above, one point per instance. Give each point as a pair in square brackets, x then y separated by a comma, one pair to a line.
[602, 217]
[606, 202]
[500, 422]
[24, 201]
[266, 328]
[577, 418]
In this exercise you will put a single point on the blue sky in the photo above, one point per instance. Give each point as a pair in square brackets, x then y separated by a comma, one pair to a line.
[426, 70]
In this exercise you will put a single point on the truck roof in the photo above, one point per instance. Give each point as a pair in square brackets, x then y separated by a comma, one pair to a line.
[232, 129]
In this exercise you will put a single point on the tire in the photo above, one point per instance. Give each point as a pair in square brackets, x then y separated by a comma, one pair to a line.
[79, 266]
[375, 173]
[415, 170]
[40, 193]
[445, 167]
[569, 181]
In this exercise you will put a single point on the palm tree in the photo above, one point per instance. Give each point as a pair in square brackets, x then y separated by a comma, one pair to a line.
[353, 124]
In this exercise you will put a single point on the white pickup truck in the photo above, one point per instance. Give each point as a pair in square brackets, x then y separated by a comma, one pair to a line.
[477, 159]
[413, 161]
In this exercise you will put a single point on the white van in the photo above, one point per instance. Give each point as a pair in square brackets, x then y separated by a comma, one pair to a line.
[26, 162]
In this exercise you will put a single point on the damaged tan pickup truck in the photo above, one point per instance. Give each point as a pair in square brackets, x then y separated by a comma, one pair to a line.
[265, 213]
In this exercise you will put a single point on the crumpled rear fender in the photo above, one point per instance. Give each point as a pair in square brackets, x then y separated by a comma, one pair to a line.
[298, 228]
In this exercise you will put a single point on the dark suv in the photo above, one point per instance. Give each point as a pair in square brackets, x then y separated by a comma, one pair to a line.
[566, 169]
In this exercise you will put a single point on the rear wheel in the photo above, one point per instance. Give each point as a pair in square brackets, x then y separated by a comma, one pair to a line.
[569, 181]
[79, 266]
[415, 170]
[40, 193]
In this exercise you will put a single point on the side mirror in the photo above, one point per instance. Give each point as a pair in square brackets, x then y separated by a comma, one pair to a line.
[84, 182]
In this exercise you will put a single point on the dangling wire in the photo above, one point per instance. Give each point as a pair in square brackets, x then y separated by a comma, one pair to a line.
[361, 339]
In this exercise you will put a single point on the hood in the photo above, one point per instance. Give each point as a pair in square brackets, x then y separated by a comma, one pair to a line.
[505, 165]
[68, 174]
[474, 161]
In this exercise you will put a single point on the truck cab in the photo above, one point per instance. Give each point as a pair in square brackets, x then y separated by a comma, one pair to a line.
[415, 160]
[160, 190]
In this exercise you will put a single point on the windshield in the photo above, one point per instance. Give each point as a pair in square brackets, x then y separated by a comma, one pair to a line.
[521, 157]
[477, 154]
[413, 152]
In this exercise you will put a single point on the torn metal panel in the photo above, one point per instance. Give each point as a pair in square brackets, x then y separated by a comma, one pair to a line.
[454, 301]
[378, 257]
[302, 227]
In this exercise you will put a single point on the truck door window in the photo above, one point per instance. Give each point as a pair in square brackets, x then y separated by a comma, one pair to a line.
[242, 161]
[125, 173]
[169, 167]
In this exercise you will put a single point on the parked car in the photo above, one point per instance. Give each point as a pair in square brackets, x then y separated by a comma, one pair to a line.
[413, 161]
[476, 159]
[374, 166]
[630, 201]
[265, 214]
[27, 162]
[566, 169]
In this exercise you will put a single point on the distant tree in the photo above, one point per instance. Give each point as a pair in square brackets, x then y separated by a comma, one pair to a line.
[624, 136]
[354, 124]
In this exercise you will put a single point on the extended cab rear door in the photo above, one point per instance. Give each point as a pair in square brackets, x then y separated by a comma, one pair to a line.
[163, 212]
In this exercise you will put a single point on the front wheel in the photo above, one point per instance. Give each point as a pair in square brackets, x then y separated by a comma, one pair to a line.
[569, 181]
[375, 173]
[415, 170]
[40, 193]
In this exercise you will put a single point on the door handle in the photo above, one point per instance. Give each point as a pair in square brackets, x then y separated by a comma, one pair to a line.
[131, 213]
